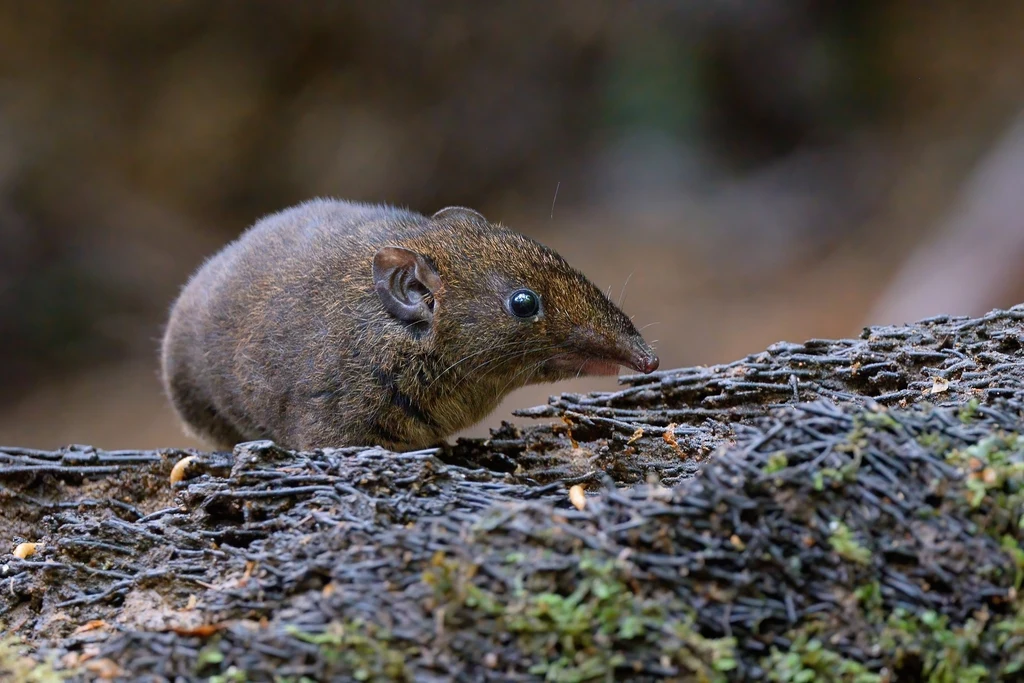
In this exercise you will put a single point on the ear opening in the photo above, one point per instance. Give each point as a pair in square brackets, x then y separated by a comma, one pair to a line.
[406, 283]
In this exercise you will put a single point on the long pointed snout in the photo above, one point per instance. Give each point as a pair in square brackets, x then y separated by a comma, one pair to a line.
[640, 356]
[604, 353]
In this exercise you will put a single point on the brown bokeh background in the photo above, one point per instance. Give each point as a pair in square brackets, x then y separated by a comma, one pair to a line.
[781, 169]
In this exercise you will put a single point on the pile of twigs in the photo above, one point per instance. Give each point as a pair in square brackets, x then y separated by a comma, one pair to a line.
[837, 529]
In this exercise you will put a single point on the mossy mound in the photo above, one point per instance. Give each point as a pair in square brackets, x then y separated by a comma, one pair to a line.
[836, 539]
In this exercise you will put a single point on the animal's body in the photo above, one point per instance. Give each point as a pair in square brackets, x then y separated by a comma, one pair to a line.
[334, 323]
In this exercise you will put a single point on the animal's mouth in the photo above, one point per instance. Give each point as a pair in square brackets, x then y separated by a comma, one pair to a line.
[588, 364]
[583, 365]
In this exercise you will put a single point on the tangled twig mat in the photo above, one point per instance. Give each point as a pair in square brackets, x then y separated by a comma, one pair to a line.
[844, 510]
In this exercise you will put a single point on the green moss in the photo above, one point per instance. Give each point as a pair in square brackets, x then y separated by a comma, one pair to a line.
[926, 641]
[1013, 549]
[846, 546]
[366, 651]
[1008, 636]
[877, 419]
[17, 666]
[969, 411]
[776, 461]
[208, 664]
[598, 628]
[933, 442]
[354, 650]
[854, 443]
[808, 660]
[231, 675]
[993, 471]
[869, 597]
[209, 656]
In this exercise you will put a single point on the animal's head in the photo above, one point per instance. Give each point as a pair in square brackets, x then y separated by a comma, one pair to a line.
[510, 307]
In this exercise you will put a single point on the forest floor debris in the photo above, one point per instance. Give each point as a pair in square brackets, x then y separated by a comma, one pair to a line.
[841, 508]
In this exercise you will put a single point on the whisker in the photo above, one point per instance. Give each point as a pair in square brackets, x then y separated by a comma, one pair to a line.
[522, 342]
[648, 325]
[622, 294]
[530, 368]
[500, 361]
[581, 369]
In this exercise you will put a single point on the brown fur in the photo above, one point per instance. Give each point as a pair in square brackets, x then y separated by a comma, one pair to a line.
[282, 336]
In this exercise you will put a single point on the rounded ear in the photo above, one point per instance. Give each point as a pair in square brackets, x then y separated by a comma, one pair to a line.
[461, 213]
[406, 284]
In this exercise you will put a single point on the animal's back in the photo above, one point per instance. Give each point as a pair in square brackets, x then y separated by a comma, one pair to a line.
[236, 352]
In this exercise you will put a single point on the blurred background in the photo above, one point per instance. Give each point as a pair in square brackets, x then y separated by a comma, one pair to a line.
[757, 170]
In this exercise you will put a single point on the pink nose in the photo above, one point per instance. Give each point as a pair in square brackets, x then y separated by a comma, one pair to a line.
[652, 364]
[647, 364]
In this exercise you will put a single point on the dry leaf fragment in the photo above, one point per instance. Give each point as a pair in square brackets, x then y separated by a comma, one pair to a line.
[203, 631]
[577, 497]
[637, 435]
[568, 431]
[92, 626]
[250, 567]
[670, 436]
[105, 669]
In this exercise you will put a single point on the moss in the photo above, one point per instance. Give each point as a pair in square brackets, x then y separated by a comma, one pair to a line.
[1007, 635]
[1013, 549]
[364, 650]
[846, 546]
[854, 443]
[993, 471]
[807, 659]
[17, 666]
[933, 442]
[969, 411]
[927, 643]
[921, 646]
[869, 598]
[599, 627]
[877, 419]
[355, 650]
[210, 659]
[231, 675]
[776, 462]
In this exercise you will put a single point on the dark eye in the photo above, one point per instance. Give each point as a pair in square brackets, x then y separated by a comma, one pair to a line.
[524, 303]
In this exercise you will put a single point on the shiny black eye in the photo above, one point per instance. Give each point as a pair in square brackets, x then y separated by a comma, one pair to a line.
[524, 303]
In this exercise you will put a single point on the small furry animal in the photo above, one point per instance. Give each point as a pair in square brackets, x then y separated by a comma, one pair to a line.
[336, 323]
